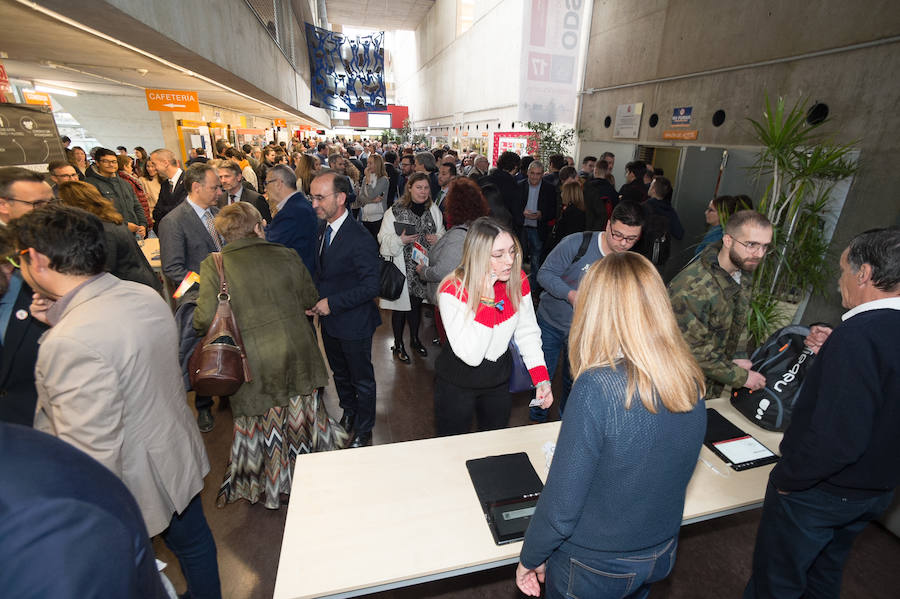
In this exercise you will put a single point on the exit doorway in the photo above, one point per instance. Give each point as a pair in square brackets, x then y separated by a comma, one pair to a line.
[666, 158]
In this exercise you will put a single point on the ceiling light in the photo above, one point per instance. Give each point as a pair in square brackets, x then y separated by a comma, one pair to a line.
[55, 90]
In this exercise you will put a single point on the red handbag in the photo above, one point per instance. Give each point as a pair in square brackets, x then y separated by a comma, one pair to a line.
[219, 365]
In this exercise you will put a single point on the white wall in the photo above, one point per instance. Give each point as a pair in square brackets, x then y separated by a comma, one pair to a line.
[115, 120]
[473, 78]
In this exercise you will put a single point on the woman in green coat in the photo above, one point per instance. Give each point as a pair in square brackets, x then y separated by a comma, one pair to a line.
[270, 290]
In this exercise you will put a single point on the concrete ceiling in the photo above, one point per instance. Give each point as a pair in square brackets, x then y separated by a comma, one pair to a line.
[381, 15]
[45, 51]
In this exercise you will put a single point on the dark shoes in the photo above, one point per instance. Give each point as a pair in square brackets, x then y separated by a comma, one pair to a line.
[400, 353]
[347, 421]
[361, 440]
[418, 347]
[205, 420]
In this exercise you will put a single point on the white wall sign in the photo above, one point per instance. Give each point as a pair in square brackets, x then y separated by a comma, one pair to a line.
[552, 33]
[628, 120]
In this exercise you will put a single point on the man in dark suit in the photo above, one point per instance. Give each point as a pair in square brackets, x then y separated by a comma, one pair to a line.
[504, 180]
[19, 333]
[232, 182]
[348, 278]
[390, 166]
[352, 159]
[294, 224]
[535, 209]
[173, 191]
[59, 511]
[21, 191]
[186, 237]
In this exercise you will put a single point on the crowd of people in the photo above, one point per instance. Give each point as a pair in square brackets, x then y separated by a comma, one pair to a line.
[552, 265]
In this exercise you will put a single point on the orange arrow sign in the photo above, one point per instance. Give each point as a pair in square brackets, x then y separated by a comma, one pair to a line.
[171, 100]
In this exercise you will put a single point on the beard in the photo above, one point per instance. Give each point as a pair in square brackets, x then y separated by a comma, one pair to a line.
[745, 264]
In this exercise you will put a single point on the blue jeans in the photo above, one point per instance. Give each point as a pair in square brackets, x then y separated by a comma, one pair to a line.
[803, 541]
[190, 539]
[555, 344]
[626, 575]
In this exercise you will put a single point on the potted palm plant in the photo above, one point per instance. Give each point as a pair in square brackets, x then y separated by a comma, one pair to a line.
[803, 167]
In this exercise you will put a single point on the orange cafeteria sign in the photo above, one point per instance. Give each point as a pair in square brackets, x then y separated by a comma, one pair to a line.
[37, 98]
[280, 123]
[670, 134]
[172, 100]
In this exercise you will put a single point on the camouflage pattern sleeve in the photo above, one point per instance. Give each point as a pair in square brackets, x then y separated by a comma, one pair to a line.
[694, 301]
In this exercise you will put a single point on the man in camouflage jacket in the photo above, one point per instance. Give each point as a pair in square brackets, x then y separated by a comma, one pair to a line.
[711, 306]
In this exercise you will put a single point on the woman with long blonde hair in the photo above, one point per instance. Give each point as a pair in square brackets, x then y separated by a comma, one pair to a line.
[628, 445]
[484, 304]
[372, 198]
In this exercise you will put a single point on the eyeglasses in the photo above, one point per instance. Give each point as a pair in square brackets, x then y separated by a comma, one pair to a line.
[108, 161]
[14, 260]
[270, 181]
[320, 198]
[36, 203]
[619, 237]
[755, 247]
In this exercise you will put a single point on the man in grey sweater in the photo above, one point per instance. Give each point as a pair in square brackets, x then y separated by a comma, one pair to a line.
[560, 276]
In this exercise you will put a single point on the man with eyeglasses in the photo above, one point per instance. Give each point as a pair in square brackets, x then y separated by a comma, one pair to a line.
[19, 332]
[61, 172]
[560, 276]
[109, 384]
[294, 224]
[21, 191]
[103, 176]
[347, 277]
[711, 296]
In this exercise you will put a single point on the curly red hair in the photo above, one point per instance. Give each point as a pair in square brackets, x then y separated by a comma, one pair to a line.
[464, 202]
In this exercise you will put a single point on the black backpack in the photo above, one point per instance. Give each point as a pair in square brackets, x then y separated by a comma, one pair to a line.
[783, 359]
[659, 240]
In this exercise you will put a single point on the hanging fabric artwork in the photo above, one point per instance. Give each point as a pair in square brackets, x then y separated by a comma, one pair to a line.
[347, 72]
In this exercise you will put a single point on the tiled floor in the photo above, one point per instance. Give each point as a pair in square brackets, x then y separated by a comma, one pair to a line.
[713, 557]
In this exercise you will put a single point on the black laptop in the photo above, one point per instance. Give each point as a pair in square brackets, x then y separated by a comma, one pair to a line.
[508, 489]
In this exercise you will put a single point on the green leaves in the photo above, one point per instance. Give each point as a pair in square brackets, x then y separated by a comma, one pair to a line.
[804, 168]
[547, 139]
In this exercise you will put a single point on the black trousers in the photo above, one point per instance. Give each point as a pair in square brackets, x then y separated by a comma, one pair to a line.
[454, 407]
[373, 227]
[203, 402]
[354, 378]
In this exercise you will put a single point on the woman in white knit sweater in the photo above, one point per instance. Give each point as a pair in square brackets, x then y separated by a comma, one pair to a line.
[485, 303]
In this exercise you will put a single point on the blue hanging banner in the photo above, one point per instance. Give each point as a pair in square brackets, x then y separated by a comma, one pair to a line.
[347, 72]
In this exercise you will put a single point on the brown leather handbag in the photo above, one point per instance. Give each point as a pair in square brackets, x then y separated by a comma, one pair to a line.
[219, 365]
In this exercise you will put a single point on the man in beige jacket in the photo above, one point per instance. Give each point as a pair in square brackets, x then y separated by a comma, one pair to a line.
[109, 382]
